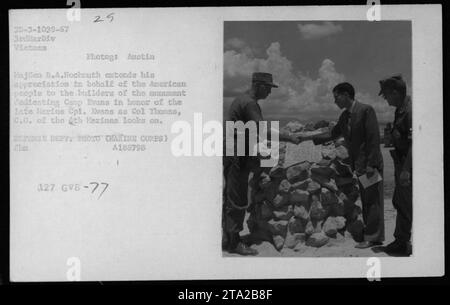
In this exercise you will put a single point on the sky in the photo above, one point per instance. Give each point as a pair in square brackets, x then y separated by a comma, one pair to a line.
[308, 58]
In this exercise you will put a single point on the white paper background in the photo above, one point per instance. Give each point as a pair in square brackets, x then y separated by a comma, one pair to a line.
[161, 217]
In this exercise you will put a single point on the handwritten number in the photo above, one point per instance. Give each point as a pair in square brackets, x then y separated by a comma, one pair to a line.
[96, 186]
[106, 186]
[109, 16]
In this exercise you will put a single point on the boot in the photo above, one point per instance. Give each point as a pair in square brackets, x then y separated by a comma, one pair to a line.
[398, 247]
[237, 246]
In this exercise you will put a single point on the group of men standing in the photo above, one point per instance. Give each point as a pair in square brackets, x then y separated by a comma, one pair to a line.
[358, 126]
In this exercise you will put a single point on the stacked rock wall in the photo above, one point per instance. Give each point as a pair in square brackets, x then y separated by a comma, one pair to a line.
[306, 203]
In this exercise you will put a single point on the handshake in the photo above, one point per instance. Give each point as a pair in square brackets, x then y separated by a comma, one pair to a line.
[295, 138]
[302, 136]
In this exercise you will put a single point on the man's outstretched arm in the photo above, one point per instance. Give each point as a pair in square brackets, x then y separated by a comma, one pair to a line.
[325, 136]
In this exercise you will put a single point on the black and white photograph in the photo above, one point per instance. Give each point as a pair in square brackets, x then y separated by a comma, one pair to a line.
[341, 94]
[211, 143]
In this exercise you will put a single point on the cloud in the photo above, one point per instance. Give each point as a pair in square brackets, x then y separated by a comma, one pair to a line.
[316, 31]
[235, 43]
[383, 111]
[299, 95]
[239, 66]
[239, 45]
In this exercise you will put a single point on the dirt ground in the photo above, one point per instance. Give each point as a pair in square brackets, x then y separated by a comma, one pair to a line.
[342, 246]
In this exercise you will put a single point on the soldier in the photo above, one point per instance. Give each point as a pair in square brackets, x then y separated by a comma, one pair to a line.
[359, 126]
[393, 90]
[244, 108]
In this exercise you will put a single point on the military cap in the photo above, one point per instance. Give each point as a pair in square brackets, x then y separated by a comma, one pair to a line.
[265, 78]
[393, 82]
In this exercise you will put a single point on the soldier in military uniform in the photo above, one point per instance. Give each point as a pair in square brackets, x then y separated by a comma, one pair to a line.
[244, 108]
[393, 90]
